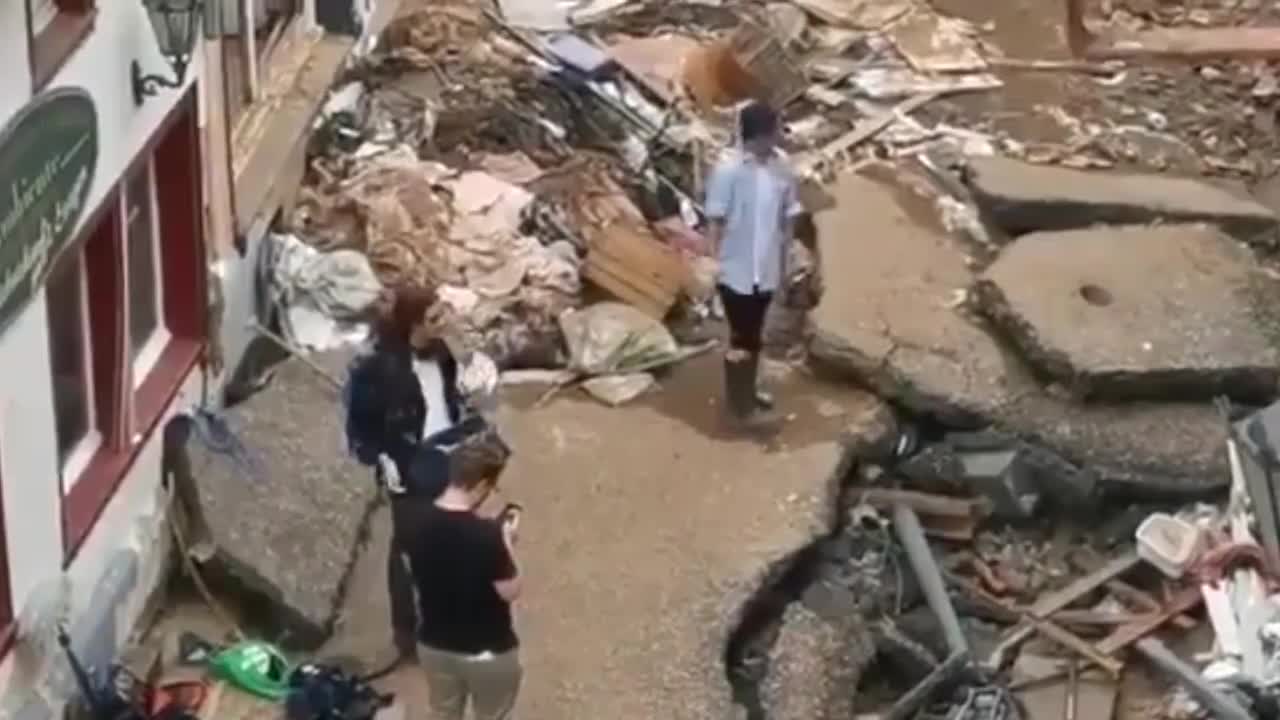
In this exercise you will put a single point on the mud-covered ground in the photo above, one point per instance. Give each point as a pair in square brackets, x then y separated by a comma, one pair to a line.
[1214, 118]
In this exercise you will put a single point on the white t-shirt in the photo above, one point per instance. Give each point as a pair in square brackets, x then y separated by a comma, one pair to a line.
[432, 381]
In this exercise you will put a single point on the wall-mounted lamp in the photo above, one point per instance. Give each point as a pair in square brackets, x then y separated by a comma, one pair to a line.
[176, 24]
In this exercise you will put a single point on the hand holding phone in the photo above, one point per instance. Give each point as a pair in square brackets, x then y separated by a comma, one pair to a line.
[509, 518]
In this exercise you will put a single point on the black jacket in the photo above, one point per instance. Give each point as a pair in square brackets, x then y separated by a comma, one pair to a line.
[385, 409]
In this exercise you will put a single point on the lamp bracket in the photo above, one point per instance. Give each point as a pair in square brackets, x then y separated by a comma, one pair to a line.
[145, 86]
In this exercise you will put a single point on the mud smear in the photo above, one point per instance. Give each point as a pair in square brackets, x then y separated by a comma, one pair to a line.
[816, 410]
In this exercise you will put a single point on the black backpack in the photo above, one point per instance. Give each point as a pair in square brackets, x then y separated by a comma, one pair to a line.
[322, 692]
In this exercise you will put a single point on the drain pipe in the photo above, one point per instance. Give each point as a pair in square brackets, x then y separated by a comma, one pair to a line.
[907, 526]
[908, 705]
[1219, 705]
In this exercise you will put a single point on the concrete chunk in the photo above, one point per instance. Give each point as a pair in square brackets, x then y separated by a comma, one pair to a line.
[288, 533]
[1170, 312]
[1021, 197]
[816, 664]
[887, 322]
[885, 314]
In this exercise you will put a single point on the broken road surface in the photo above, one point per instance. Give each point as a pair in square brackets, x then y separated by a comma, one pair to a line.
[1021, 197]
[886, 318]
[1122, 313]
[892, 324]
[643, 539]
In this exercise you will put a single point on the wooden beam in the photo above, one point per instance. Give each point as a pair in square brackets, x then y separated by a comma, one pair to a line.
[1081, 647]
[1059, 600]
[1125, 636]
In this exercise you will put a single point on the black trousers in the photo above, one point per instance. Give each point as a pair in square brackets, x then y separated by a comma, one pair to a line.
[400, 589]
[745, 314]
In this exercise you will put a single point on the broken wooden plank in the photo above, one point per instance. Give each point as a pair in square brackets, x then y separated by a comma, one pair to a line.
[1127, 593]
[923, 502]
[635, 267]
[1184, 601]
[1081, 586]
[1084, 67]
[1042, 685]
[1081, 647]
[943, 517]
[1095, 617]
[862, 131]
[1146, 601]
[1059, 600]
[1130, 594]
[1078, 588]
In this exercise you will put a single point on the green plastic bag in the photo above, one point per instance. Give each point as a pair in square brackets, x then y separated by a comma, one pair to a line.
[257, 668]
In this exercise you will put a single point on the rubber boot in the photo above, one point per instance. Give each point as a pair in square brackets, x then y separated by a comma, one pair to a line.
[764, 400]
[743, 414]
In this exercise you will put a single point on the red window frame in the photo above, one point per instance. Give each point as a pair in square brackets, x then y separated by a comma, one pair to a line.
[8, 624]
[50, 48]
[127, 418]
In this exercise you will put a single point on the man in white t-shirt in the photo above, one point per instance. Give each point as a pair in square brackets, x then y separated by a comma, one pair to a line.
[751, 207]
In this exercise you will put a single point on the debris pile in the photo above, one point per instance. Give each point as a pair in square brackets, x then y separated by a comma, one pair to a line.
[991, 601]
[504, 163]
[1056, 339]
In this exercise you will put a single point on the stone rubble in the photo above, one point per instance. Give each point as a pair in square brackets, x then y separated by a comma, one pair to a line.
[1172, 312]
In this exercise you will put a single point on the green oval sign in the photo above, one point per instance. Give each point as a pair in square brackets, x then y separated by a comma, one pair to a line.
[48, 153]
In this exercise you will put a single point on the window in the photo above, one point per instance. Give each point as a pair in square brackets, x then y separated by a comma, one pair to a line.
[70, 360]
[270, 19]
[126, 319]
[55, 28]
[253, 34]
[7, 626]
[147, 333]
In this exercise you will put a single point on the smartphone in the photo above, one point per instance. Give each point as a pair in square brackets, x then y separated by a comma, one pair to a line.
[511, 514]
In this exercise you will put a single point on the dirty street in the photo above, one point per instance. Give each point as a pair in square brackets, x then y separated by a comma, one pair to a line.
[689, 359]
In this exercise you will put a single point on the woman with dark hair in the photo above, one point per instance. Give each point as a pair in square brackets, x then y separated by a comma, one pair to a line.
[385, 405]
[406, 414]
[386, 416]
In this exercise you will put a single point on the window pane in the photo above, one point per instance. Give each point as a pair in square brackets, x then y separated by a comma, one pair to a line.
[67, 356]
[270, 19]
[143, 313]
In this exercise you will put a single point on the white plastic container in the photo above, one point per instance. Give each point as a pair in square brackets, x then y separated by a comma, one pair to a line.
[1170, 544]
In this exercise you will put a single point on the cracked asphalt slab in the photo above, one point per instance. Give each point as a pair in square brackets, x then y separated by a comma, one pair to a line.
[889, 317]
[895, 318]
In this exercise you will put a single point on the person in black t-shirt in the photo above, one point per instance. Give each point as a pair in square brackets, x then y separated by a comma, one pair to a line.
[465, 571]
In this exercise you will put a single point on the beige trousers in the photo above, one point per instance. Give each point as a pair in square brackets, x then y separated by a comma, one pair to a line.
[490, 683]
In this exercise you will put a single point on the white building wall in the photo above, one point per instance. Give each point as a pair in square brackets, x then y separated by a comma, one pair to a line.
[121, 34]
[132, 520]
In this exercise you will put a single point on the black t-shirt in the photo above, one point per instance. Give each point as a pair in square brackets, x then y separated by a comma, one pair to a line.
[456, 557]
